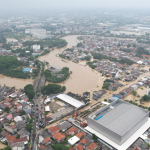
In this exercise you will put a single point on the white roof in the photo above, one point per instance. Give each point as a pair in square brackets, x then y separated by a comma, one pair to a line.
[141, 83]
[73, 140]
[128, 142]
[47, 108]
[18, 118]
[105, 103]
[139, 62]
[72, 101]
[47, 100]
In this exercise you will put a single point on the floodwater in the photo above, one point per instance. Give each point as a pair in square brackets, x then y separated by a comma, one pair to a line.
[11, 82]
[82, 78]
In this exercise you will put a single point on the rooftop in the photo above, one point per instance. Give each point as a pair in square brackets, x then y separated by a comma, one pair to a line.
[119, 117]
[72, 101]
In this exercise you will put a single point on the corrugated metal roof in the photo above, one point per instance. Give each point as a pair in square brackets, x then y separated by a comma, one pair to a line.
[72, 101]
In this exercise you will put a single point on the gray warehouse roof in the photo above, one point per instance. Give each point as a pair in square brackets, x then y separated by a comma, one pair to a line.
[120, 118]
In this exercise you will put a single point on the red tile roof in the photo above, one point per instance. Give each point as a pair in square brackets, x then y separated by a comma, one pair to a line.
[79, 134]
[92, 146]
[19, 105]
[84, 141]
[72, 129]
[145, 55]
[10, 138]
[54, 129]
[136, 148]
[47, 139]
[18, 140]
[59, 136]
[79, 147]
[9, 116]
[42, 147]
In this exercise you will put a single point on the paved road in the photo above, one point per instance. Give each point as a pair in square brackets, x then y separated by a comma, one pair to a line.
[38, 83]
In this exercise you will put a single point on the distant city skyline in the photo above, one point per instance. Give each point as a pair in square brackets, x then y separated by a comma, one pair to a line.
[57, 5]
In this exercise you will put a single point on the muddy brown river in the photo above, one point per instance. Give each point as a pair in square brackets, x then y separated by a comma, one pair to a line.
[82, 78]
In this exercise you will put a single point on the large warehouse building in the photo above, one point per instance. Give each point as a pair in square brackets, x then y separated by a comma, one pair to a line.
[118, 122]
[70, 100]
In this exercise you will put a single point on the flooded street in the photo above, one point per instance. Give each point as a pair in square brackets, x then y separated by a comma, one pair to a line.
[82, 78]
[18, 83]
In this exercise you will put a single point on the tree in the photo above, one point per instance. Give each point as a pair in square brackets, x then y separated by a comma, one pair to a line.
[7, 148]
[1, 129]
[23, 112]
[94, 137]
[105, 100]
[60, 147]
[134, 93]
[128, 45]
[29, 127]
[7, 109]
[18, 136]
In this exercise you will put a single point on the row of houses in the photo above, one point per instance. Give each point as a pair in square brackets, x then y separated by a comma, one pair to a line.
[16, 111]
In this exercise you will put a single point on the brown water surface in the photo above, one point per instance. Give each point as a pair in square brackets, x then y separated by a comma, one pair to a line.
[82, 78]
[11, 82]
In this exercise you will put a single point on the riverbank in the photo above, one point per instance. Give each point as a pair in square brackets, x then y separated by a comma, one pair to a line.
[82, 78]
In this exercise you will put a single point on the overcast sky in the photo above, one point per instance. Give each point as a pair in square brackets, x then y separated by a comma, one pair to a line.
[12, 5]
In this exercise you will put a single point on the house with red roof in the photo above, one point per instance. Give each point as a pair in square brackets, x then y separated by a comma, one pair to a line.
[10, 138]
[19, 106]
[79, 147]
[59, 136]
[91, 146]
[72, 131]
[80, 135]
[23, 139]
[9, 117]
[53, 130]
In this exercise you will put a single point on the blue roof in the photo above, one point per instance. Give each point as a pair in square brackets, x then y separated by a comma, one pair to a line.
[113, 98]
[26, 69]
[117, 96]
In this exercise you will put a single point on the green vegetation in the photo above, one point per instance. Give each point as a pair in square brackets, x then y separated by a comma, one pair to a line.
[11, 66]
[88, 58]
[35, 72]
[64, 57]
[2, 38]
[105, 85]
[94, 137]
[43, 53]
[7, 109]
[49, 42]
[52, 89]
[69, 49]
[108, 80]
[121, 61]
[23, 52]
[79, 44]
[23, 112]
[7, 148]
[29, 125]
[125, 50]
[60, 147]
[134, 93]
[140, 51]
[1, 129]
[18, 136]
[145, 98]
[91, 65]
[55, 79]
[29, 90]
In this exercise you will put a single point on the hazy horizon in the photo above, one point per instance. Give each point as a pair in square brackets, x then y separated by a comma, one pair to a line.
[12, 6]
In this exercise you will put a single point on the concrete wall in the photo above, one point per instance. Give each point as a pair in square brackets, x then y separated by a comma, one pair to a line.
[133, 129]
[104, 131]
